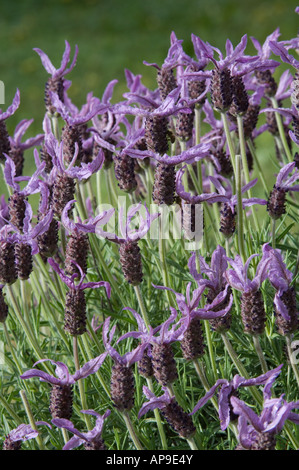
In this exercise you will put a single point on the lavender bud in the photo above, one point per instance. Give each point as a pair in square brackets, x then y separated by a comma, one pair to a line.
[122, 387]
[265, 78]
[63, 192]
[264, 441]
[221, 89]
[179, 420]
[4, 141]
[75, 312]
[192, 344]
[227, 220]
[46, 157]
[17, 208]
[296, 160]
[61, 401]
[76, 251]
[164, 364]
[166, 82]
[24, 263]
[226, 168]
[220, 324]
[276, 202]
[130, 260]
[164, 184]
[156, 132]
[284, 326]
[10, 444]
[184, 125]
[96, 444]
[70, 136]
[240, 102]
[17, 156]
[53, 85]
[196, 88]
[8, 272]
[253, 312]
[250, 120]
[124, 167]
[3, 306]
[145, 366]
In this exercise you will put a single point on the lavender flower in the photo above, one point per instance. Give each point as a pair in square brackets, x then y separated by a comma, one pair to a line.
[4, 139]
[91, 440]
[262, 431]
[61, 401]
[24, 432]
[56, 82]
[130, 256]
[283, 184]
[285, 295]
[75, 305]
[177, 418]
[122, 385]
[229, 390]
[252, 303]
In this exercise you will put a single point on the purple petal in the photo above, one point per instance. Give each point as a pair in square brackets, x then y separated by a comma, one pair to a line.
[91, 367]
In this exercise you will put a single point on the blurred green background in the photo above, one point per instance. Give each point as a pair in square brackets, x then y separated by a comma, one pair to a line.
[117, 34]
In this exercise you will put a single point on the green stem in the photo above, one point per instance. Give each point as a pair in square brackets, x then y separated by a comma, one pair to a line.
[81, 383]
[273, 233]
[260, 353]
[131, 430]
[31, 418]
[281, 131]
[257, 164]
[240, 209]
[211, 349]
[229, 141]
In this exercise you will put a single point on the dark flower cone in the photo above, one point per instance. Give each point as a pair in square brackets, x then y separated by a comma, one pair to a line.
[296, 160]
[164, 364]
[24, 262]
[75, 312]
[4, 141]
[96, 444]
[46, 157]
[131, 263]
[48, 241]
[196, 88]
[264, 441]
[53, 85]
[63, 192]
[184, 125]
[284, 326]
[124, 168]
[8, 272]
[226, 168]
[249, 159]
[276, 202]
[156, 133]
[240, 101]
[122, 387]
[253, 312]
[192, 344]
[295, 91]
[17, 208]
[3, 307]
[272, 123]
[227, 221]
[166, 82]
[266, 78]
[108, 155]
[164, 184]
[250, 120]
[180, 421]
[9, 444]
[76, 250]
[296, 127]
[70, 136]
[220, 324]
[188, 219]
[17, 156]
[221, 90]
[61, 401]
[145, 366]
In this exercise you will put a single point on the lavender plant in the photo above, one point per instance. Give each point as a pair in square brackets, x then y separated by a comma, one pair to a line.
[194, 301]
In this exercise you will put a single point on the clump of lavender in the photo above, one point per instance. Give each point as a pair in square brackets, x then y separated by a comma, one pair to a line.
[23, 433]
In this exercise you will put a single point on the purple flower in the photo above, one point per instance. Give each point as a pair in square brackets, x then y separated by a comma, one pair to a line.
[154, 401]
[22, 433]
[130, 357]
[63, 377]
[33, 185]
[195, 199]
[228, 390]
[62, 70]
[283, 181]
[279, 49]
[16, 141]
[70, 281]
[125, 226]
[89, 226]
[215, 272]
[238, 276]
[91, 439]
[12, 108]
[261, 431]
[29, 234]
